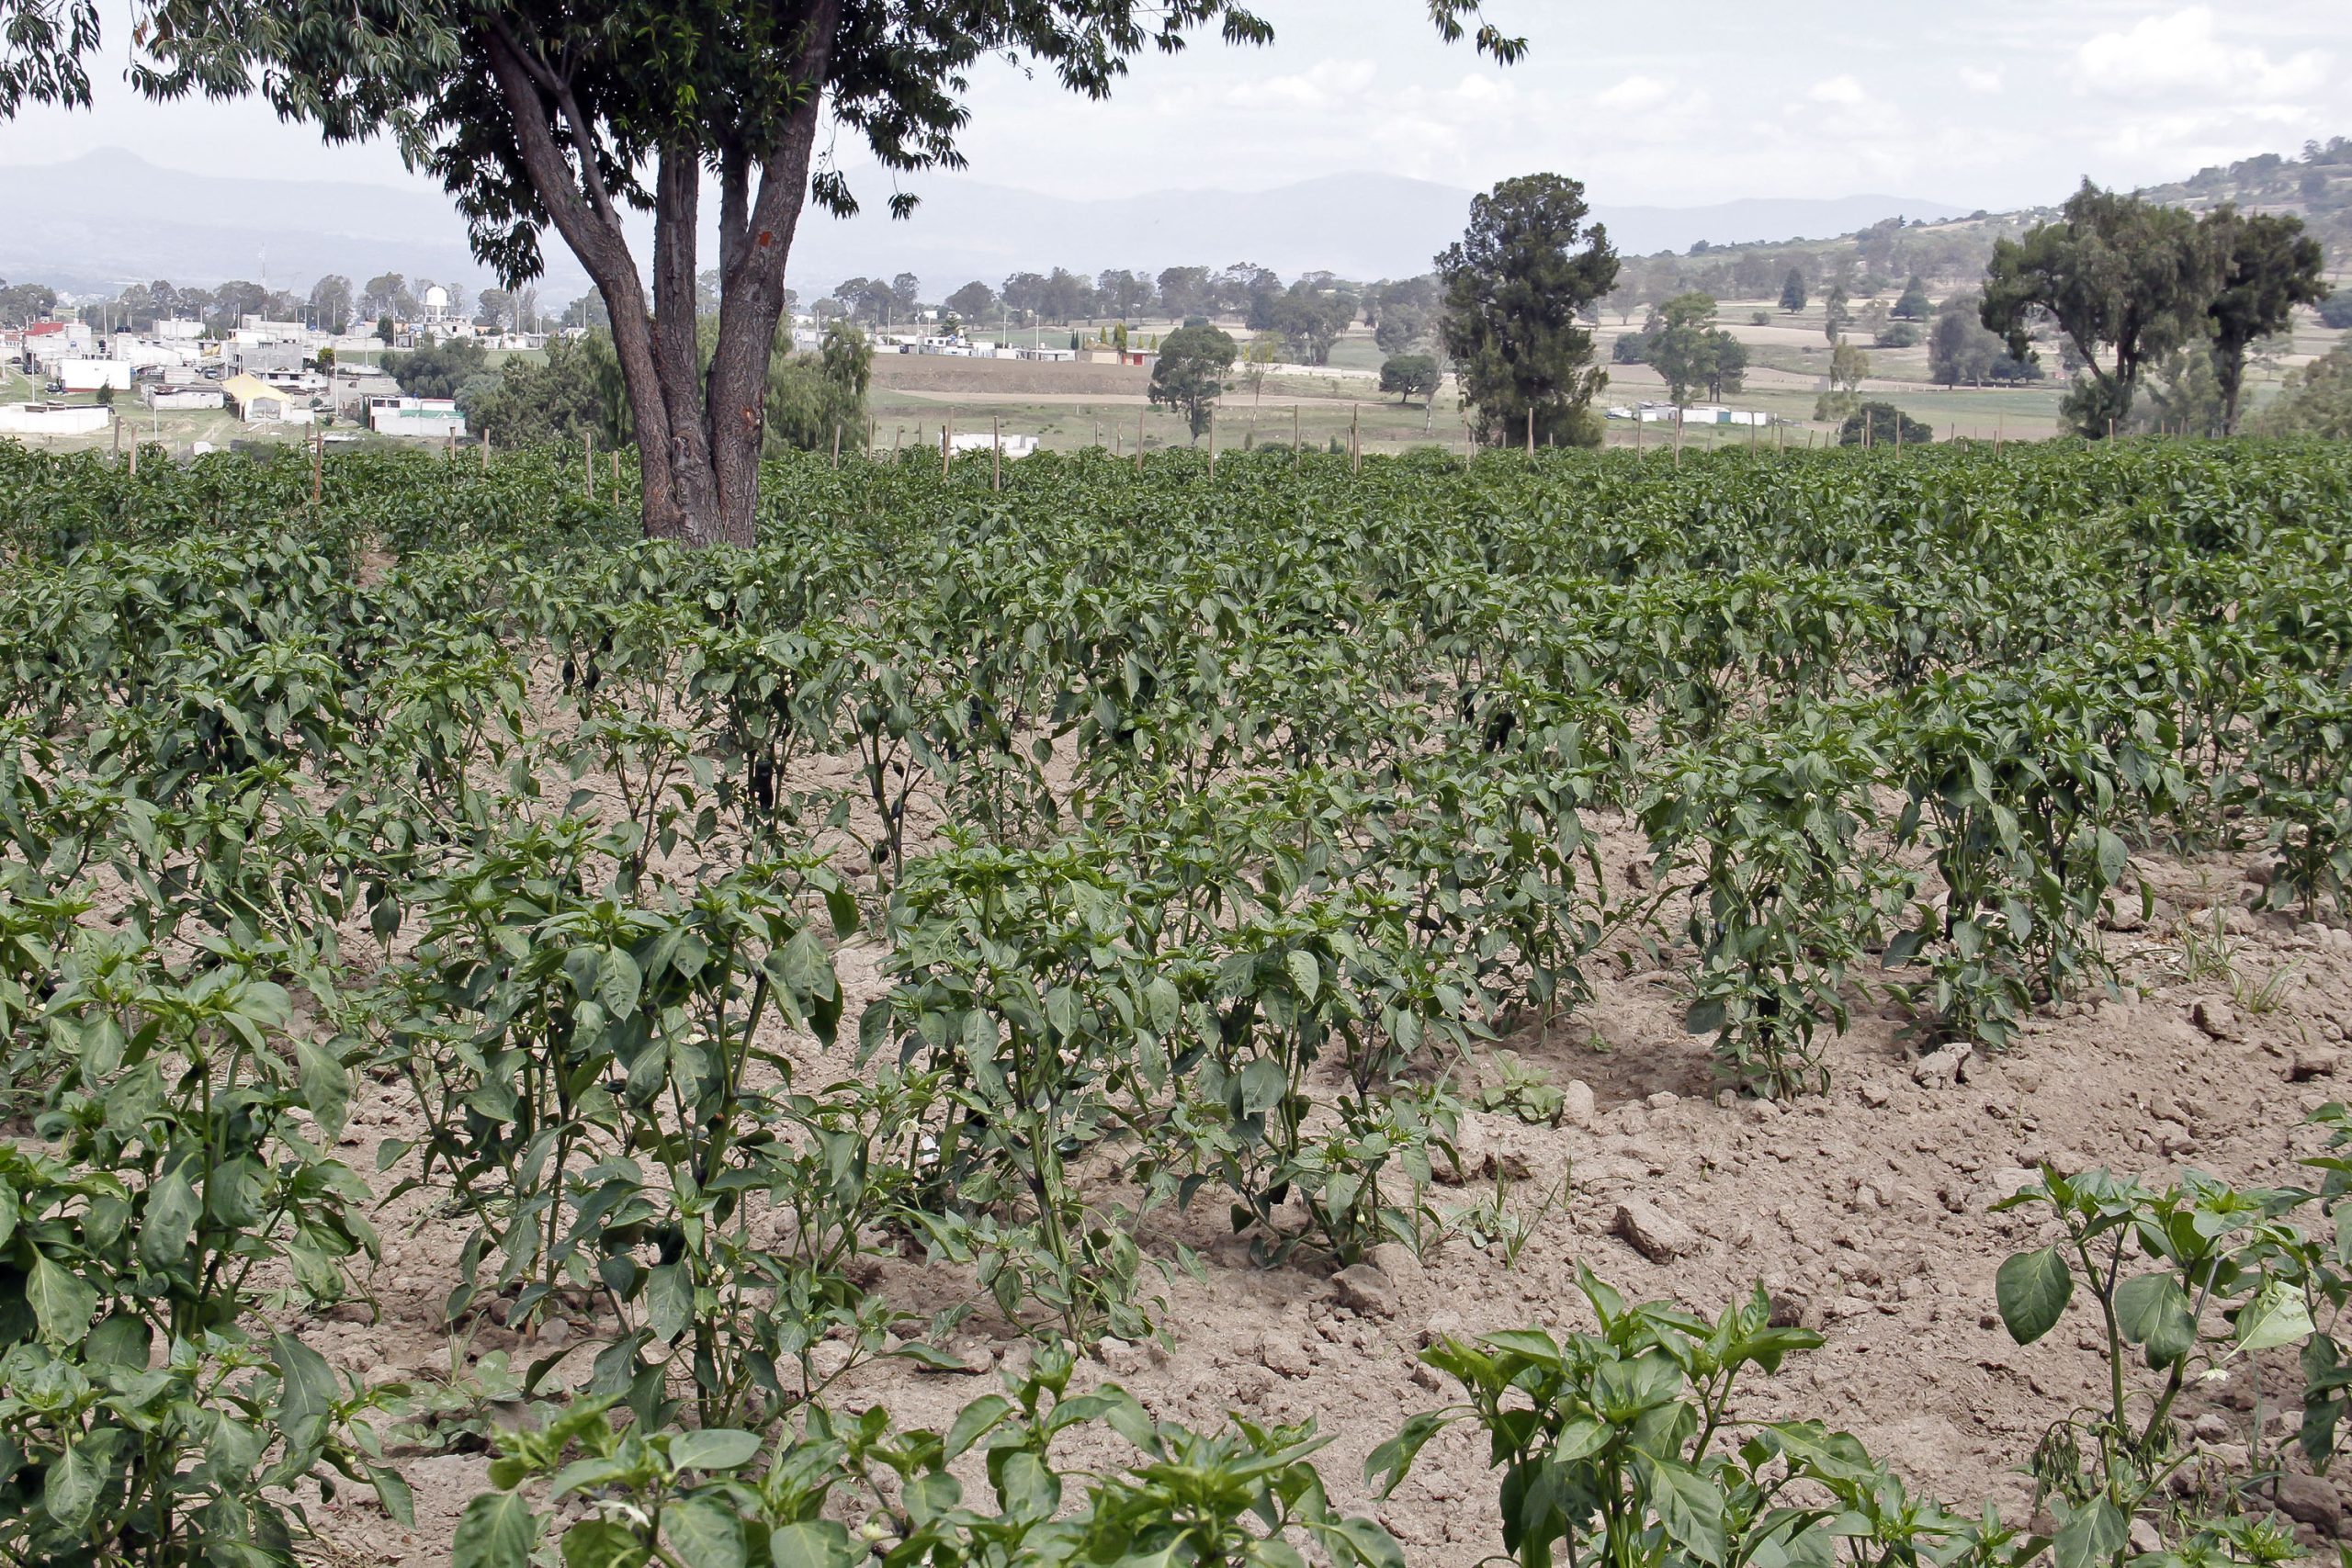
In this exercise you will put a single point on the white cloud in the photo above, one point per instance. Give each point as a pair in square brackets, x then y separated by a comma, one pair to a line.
[2182, 55]
[1838, 90]
[1633, 93]
[1977, 81]
[1322, 88]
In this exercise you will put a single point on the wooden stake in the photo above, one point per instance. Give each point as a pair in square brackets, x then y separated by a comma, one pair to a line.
[996, 443]
[485, 451]
[837, 444]
[616, 456]
[1531, 430]
[1355, 438]
[1212, 441]
[590, 466]
[1139, 413]
[318, 463]
[944, 426]
[872, 432]
[1294, 452]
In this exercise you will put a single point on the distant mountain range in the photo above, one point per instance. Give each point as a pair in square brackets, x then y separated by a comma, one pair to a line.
[110, 217]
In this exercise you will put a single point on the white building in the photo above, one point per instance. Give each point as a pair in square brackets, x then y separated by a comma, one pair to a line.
[1015, 446]
[203, 395]
[53, 419]
[1693, 413]
[46, 342]
[177, 332]
[89, 374]
[416, 418]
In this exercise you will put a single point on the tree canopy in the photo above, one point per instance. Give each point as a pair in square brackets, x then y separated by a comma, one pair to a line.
[2126, 281]
[1516, 285]
[1689, 351]
[1189, 372]
[536, 116]
[2268, 266]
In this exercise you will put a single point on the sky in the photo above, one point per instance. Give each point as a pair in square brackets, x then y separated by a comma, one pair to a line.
[1992, 103]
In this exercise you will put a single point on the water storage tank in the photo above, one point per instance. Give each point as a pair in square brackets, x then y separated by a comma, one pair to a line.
[437, 300]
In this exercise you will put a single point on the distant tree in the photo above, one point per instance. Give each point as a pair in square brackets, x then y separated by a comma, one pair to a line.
[1403, 328]
[1689, 351]
[1066, 296]
[1248, 290]
[1313, 318]
[387, 294]
[1960, 349]
[561, 400]
[1792, 291]
[1023, 292]
[1877, 423]
[2126, 281]
[1835, 317]
[1915, 305]
[331, 302]
[2269, 267]
[105, 395]
[906, 296]
[1189, 372]
[234, 300]
[975, 301]
[385, 329]
[495, 309]
[1124, 293]
[1849, 367]
[866, 300]
[2315, 400]
[816, 399]
[1182, 290]
[1514, 284]
[1411, 376]
[1896, 335]
[438, 370]
[588, 311]
[23, 302]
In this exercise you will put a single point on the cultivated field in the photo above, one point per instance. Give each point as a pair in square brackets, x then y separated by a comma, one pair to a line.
[1196, 949]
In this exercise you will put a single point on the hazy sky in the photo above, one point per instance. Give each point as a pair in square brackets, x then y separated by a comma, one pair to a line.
[1992, 102]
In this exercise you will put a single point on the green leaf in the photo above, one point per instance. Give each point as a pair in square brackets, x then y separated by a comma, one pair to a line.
[2092, 1536]
[601, 1543]
[2032, 1290]
[391, 1490]
[2153, 1311]
[306, 1391]
[2276, 1316]
[72, 1489]
[168, 1220]
[811, 1543]
[669, 1302]
[326, 1087]
[701, 1532]
[619, 983]
[1690, 1507]
[61, 1303]
[717, 1448]
[497, 1530]
[1305, 973]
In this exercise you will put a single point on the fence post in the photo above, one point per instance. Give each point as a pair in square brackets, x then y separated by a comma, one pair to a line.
[996, 443]
[1212, 441]
[1295, 451]
[1139, 413]
[589, 467]
[837, 444]
[1355, 438]
[1531, 430]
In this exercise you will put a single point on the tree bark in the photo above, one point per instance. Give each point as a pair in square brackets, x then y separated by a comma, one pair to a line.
[699, 435]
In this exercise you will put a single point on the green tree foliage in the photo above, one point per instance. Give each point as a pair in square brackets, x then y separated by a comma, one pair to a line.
[1960, 349]
[816, 399]
[566, 118]
[2335, 310]
[569, 396]
[2125, 281]
[2181, 395]
[1915, 305]
[2269, 267]
[1691, 352]
[1835, 317]
[1793, 294]
[1897, 334]
[1515, 285]
[437, 369]
[330, 301]
[1877, 421]
[1189, 372]
[974, 302]
[2316, 399]
[1411, 376]
[1313, 319]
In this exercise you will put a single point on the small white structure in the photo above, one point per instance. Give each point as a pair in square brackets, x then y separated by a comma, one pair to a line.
[1015, 446]
[1694, 414]
[46, 342]
[416, 418]
[53, 419]
[89, 374]
[177, 332]
[200, 396]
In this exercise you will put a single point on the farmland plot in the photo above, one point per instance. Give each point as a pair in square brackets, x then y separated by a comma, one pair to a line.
[1200, 948]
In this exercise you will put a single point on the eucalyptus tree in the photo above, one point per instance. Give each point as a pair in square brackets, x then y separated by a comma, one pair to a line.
[539, 116]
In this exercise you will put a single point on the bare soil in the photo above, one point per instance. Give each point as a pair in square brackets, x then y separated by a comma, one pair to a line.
[1865, 1211]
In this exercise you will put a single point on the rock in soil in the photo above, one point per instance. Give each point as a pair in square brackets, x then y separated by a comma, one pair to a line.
[1653, 1232]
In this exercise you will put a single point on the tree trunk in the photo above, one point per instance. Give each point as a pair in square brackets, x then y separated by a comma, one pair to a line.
[699, 435]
